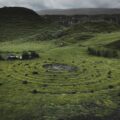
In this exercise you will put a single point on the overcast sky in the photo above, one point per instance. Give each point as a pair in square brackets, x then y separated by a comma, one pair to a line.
[62, 4]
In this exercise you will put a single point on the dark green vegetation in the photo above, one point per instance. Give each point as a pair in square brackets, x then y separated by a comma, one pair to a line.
[29, 91]
[110, 53]
[114, 45]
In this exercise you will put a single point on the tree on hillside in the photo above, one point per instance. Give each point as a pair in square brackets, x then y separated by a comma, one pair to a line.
[25, 56]
[33, 54]
[29, 55]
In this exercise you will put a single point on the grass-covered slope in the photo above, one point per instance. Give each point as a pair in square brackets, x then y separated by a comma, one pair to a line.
[28, 91]
[92, 92]
[21, 23]
[17, 22]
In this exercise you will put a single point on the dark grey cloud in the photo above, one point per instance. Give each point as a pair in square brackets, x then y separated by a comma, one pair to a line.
[63, 4]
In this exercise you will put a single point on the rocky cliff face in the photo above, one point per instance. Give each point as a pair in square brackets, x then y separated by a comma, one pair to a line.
[73, 16]
[69, 20]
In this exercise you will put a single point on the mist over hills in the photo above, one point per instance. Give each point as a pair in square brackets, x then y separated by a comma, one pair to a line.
[80, 11]
[19, 21]
[26, 12]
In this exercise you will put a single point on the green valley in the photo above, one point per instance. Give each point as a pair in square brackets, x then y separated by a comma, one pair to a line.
[29, 91]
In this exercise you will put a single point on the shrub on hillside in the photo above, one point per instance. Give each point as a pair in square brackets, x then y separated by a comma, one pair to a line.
[110, 53]
[29, 55]
[34, 54]
[25, 56]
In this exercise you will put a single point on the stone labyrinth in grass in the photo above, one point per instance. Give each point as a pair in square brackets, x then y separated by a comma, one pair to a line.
[56, 79]
[60, 67]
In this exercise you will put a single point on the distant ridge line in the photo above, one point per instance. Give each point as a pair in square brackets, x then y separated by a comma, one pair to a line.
[80, 11]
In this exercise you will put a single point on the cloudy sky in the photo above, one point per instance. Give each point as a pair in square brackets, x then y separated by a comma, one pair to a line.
[62, 4]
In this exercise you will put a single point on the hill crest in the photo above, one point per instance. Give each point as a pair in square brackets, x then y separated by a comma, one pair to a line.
[17, 12]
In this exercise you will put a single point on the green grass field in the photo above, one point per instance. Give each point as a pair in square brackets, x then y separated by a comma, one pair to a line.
[90, 93]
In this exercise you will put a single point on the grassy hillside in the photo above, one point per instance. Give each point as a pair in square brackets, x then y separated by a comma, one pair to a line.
[29, 91]
[18, 22]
